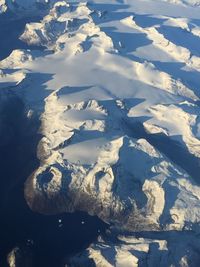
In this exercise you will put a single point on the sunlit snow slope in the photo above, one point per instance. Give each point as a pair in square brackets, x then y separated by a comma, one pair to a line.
[117, 90]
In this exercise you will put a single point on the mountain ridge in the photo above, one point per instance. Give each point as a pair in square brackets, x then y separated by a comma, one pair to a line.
[117, 92]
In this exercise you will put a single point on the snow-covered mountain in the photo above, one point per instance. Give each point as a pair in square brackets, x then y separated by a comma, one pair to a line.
[117, 92]
[16, 5]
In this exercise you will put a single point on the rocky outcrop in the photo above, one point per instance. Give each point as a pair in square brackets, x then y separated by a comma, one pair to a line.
[118, 99]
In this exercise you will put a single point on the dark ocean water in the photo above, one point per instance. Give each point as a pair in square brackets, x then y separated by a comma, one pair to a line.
[43, 240]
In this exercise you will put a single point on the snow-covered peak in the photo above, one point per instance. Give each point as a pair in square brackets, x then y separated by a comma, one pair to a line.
[117, 92]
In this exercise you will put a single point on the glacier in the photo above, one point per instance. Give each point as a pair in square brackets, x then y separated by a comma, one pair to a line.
[117, 93]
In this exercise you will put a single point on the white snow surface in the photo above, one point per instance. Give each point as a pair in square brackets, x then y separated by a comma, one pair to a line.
[117, 90]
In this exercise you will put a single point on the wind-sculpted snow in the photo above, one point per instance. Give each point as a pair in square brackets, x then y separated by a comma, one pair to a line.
[117, 90]
[167, 249]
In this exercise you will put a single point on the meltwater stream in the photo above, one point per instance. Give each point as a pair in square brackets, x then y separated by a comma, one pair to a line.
[40, 240]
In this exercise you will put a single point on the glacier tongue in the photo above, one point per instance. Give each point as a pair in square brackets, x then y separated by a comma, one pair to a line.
[117, 90]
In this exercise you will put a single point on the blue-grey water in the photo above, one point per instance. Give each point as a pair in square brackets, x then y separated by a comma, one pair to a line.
[43, 240]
